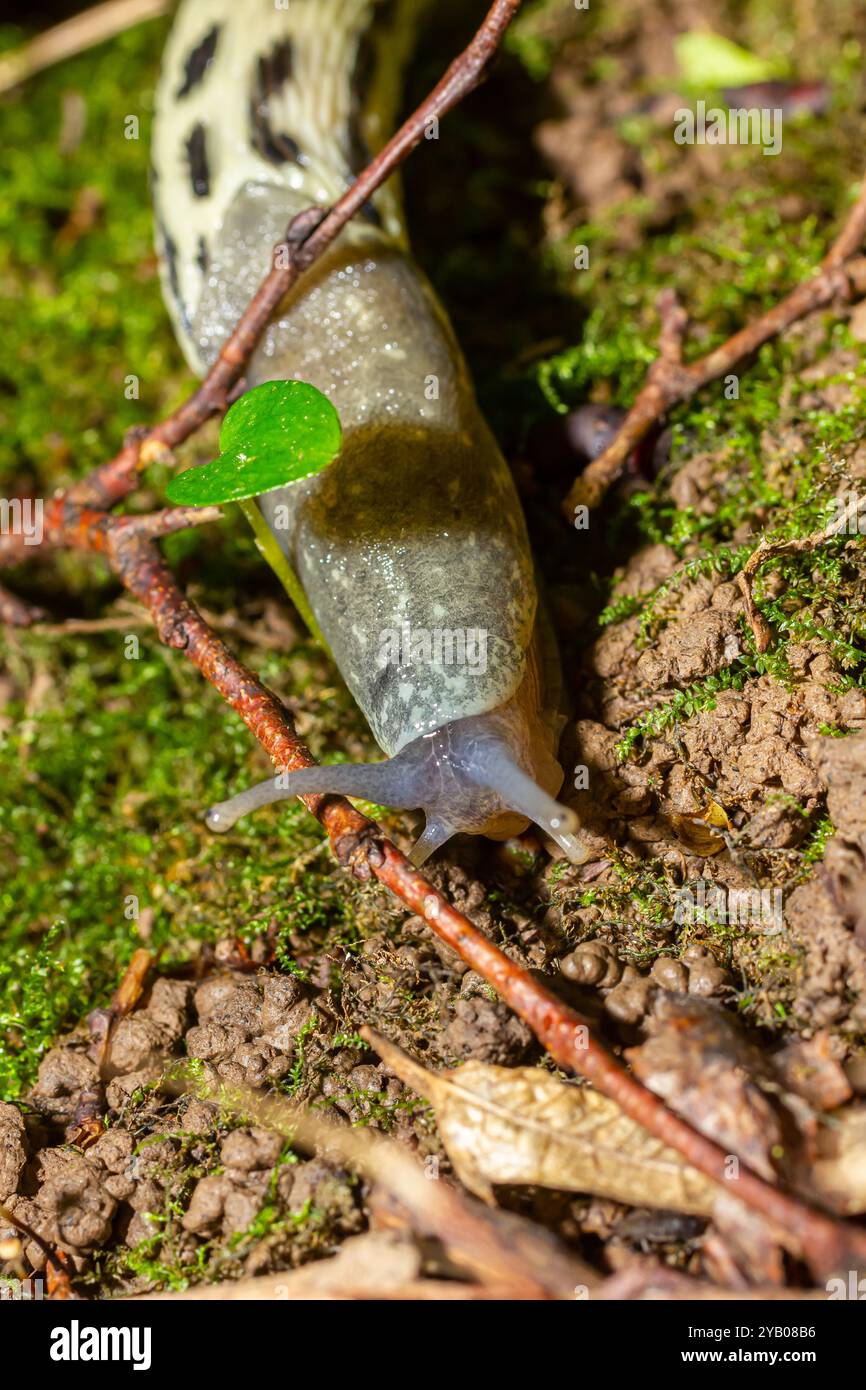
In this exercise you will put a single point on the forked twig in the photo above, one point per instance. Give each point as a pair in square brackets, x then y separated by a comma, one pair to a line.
[841, 275]
[794, 545]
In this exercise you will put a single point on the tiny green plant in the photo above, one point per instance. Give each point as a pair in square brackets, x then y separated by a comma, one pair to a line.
[708, 61]
[276, 434]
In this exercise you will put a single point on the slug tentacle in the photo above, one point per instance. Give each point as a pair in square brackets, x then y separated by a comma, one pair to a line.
[435, 834]
[493, 767]
[371, 781]
[465, 777]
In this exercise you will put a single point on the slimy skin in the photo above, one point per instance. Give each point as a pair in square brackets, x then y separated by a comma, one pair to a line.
[412, 546]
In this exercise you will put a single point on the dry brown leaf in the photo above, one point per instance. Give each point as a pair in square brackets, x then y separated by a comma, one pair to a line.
[697, 1058]
[500, 1249]
[696, 831]
[523, 1126]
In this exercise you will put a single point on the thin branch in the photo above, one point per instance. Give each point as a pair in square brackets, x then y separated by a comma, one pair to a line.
[359, 845]
[75, 36]
[825, 1244]
[166, 522]
[57, 1271]
[767, 550]
[841, 275]
[145, 574]
[74, 627]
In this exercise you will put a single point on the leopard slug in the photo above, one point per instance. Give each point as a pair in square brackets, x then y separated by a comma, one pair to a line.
[411, 547]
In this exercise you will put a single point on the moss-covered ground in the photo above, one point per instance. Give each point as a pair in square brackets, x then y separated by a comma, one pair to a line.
[111, 749]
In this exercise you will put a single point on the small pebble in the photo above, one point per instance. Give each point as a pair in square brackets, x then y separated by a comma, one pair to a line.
[706, 977]
[592, 963]
[628, 1002]
[670, 974]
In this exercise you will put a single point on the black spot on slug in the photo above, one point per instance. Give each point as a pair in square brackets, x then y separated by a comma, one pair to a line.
[196, 153]
[169, 252]
[371, 213]
[386, 13]
[276, 148]
[382, 688]
[198, 62]
[201, 258]
[273, 70]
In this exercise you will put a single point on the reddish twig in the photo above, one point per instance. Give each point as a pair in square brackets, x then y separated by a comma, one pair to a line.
[59, 1285]
[359, 845]
[826, 1244]
[80, 520]
[669, 381]
[146, 575]
[88, 1121]
[165, 523]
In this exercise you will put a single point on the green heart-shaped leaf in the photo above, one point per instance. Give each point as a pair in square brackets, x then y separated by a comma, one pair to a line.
[277, 433]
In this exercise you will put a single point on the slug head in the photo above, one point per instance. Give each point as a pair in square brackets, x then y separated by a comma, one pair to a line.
[482, 775]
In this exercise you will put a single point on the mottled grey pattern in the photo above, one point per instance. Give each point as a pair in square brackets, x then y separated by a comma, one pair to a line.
[418, 521]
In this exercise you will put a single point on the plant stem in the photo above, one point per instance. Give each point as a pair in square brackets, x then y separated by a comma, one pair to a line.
[269, 547]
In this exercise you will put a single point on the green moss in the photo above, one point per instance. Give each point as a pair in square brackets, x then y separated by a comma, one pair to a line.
[110, 759]
[619, 336]
[813, 850]
[530, 38]
[101, 828]
[80, 313]
[638, 902]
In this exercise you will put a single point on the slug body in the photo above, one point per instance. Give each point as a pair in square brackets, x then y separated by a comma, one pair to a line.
[411, 547]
